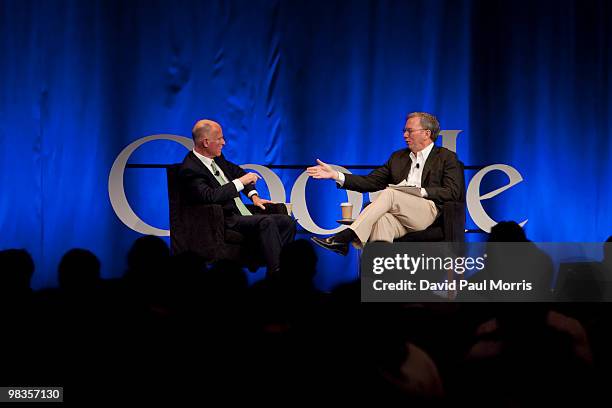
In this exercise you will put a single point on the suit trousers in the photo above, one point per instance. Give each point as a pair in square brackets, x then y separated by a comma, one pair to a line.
[272, 231]
[392, 215]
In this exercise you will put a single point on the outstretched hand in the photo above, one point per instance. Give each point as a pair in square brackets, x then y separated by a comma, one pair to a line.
[322, 171]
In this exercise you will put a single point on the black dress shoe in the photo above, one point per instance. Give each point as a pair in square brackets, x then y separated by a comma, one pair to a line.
[331, 244]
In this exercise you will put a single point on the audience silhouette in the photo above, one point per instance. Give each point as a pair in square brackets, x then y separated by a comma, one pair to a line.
[175, 323]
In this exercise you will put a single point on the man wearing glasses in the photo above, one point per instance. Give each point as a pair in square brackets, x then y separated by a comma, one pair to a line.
[434, 172]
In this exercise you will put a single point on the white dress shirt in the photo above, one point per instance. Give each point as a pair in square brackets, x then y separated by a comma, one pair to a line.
[208, 163]
[415, 173]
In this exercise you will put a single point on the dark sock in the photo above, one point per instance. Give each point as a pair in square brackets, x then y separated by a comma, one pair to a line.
[345, 236]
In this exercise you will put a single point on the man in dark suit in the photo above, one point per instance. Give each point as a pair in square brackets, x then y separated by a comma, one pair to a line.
[208, 178]
[434, 171]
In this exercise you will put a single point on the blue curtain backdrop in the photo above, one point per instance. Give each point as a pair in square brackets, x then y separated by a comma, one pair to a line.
[291, 81]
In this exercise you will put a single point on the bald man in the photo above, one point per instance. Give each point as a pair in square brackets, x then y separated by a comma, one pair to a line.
[208, 178]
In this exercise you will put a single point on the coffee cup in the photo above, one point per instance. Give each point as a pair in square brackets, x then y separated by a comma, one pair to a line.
[347, 211]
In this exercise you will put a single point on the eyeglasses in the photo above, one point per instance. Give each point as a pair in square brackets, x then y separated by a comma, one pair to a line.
[411, 131]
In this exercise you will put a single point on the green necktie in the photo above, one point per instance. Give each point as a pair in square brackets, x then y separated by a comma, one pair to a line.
[223, 181]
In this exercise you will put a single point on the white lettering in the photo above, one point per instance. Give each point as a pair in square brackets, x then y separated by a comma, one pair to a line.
[377, 269]
[473, 197]
[119, 202]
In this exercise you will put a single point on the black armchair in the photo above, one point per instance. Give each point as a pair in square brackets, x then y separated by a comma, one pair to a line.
[200, 228]
[449, 226]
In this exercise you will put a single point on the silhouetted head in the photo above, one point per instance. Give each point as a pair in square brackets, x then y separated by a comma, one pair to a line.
[147, 259]
[79, 270]
[147, 251]
[16, 270]
[507, 231]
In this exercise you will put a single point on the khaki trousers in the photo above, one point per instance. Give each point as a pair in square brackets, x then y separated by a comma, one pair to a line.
[393, 214]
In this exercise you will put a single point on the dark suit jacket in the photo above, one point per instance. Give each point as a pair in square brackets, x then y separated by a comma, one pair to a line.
[442, 175]
[199, 185]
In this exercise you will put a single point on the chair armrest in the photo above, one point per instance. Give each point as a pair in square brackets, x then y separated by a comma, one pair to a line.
[453, 213]
[272, 208]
